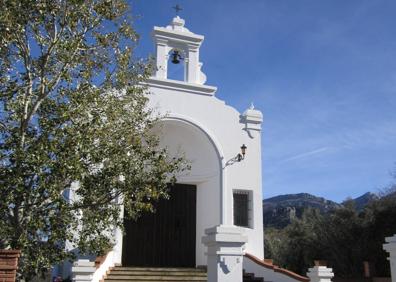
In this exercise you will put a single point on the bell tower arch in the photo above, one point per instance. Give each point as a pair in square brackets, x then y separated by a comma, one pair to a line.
[182, 45]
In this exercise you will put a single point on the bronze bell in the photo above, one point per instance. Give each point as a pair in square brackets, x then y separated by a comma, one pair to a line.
[176, 57]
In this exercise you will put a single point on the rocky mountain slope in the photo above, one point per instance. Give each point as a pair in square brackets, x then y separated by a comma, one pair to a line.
[278, 211]
[363, 200]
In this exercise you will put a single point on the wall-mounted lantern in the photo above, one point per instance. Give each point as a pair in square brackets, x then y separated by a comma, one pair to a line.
[241, 155]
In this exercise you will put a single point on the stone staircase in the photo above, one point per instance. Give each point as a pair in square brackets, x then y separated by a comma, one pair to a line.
[249, 277]
[146, 274]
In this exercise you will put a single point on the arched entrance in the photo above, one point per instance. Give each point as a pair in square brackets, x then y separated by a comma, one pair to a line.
[167, 237]
[171, 237]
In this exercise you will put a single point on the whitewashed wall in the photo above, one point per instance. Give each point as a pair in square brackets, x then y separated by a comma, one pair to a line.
[211, 133]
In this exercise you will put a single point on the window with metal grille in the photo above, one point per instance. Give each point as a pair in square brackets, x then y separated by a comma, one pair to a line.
[241, 208]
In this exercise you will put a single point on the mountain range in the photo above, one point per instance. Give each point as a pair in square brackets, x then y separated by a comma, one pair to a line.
[278, 211]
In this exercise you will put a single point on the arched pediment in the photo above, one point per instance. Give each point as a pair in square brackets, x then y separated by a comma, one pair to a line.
[182, 136]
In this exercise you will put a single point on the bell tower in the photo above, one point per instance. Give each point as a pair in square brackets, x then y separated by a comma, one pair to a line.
[181, 45]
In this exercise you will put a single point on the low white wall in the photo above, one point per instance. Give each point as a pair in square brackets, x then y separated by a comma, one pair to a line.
[104, 267]
[270, 272]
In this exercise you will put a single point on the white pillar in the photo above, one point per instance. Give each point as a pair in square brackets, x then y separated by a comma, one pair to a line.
[225, 253]
[161, 59]
[320, 273]
[193, 65]
[390, 247]
[83, 270]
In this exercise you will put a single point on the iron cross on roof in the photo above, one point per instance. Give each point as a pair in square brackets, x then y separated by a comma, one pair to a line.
[177, 9]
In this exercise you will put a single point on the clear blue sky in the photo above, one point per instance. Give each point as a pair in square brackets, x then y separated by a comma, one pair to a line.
[322, 72]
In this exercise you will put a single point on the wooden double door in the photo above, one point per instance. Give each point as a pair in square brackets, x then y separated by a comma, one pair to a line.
[167, 237]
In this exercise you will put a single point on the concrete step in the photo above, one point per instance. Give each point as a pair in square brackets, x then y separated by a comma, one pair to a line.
[136, 274]
[163, 279]
[133, 268]
[148, 275]
[145, 273]
[249, 277]
[155, 278]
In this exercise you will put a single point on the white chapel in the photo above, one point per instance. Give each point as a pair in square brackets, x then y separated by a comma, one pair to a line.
[213, 219]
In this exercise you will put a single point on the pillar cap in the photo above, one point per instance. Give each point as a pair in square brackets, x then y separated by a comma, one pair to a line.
[253, 115]
[177, 32]
[320, 272]
[390, 245]
[391, 239]
[224, 234]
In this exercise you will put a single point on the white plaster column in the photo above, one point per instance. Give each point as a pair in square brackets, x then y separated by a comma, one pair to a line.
[320, 273]
[118, 235]
[161, 59]
[83, 270]
[390, 247]
[193, 67]
[225, 253]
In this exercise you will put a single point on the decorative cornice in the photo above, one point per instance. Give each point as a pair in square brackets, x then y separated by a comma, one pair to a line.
[163, 34]
[181, 86]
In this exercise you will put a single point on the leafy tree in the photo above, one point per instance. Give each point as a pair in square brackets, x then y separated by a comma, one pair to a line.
[295, 247]
[380, 222]
[73, 114]
[344, 238]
